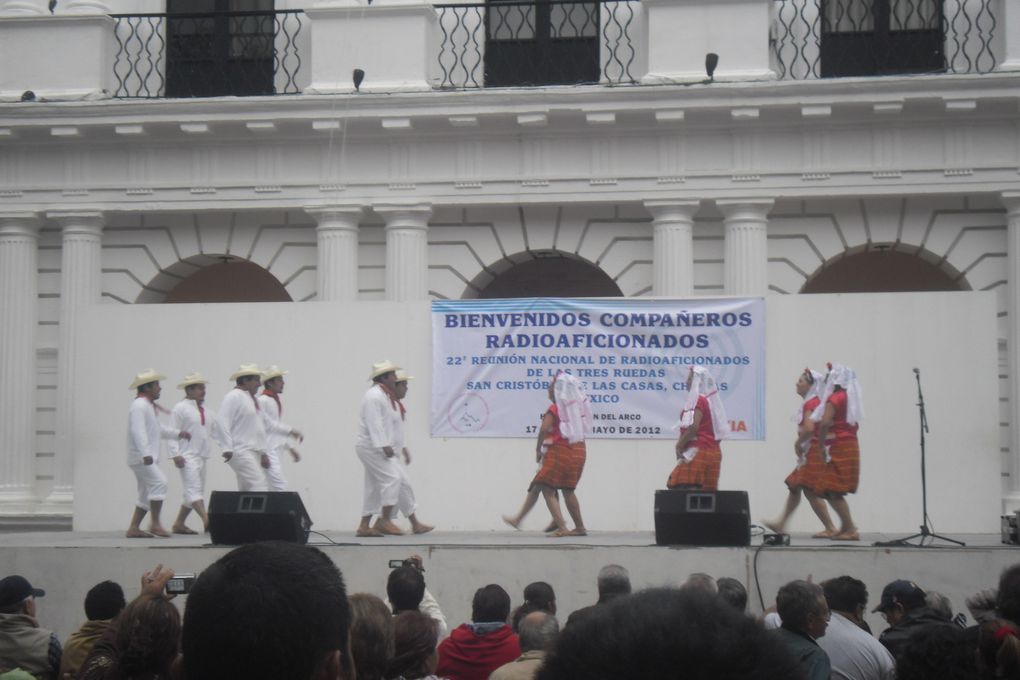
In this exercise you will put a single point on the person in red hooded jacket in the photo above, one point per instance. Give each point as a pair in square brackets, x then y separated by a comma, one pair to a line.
[473, 650]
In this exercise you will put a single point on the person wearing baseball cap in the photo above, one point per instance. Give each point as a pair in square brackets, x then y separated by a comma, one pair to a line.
[23, 643]
[904, 609]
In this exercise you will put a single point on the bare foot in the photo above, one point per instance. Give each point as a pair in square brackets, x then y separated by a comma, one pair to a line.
[510, 521]
[159, 531]
[385, 526]
[773, 526]
[423, 528]
[183, 529]
[551, 527]
[579, 531]
[828, 533]
[369, 533]
[137, 533]
[851, 535]
[560, 533]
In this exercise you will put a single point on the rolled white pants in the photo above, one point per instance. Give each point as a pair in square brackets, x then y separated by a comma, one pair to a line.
[151, 484]
[247, 466]
[406, 504]
[382, 480]
[192, 480]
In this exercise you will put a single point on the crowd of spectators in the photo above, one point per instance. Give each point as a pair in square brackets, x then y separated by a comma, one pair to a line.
[281, 611]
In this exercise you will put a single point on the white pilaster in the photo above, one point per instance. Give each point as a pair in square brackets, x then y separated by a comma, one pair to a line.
[1009, 23]
[672, 247]
[337, 239]
[1011, 200]
[406, 250]
[80, 273]
[19, 238]
[746, 253]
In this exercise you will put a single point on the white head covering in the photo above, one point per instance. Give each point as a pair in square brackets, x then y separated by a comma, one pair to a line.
[573, 407]
[846, 378]
[815, 390]
[703, 384]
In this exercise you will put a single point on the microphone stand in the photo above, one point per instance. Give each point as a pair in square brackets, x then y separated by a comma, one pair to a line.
[925, 533]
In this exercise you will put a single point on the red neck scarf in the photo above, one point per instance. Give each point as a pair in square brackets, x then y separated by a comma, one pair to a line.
[393, 400]
[253, 399]
[275, 397]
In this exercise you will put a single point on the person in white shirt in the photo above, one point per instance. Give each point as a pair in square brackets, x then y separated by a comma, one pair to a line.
[276, 443]
[381, 413]
[406, 503]
[854, 653]
[190, 455]
[143, 435]
[241, 433]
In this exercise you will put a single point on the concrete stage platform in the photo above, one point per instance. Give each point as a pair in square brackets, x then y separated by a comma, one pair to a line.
[67, 564]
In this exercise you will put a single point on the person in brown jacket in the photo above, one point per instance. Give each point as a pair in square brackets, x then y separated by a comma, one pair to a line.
[102, 605]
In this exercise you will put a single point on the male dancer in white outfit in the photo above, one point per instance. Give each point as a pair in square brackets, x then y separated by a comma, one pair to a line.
[190, 415]
[143, 435]
[276, 443]
[242, 430]
[376, 447]
[406, 503]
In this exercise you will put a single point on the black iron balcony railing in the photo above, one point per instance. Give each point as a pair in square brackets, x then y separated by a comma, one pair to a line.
[207, 55]
[833, 38]
[504, 43]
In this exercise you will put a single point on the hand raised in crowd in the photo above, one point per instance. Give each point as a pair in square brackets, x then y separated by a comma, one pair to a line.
[154, 582]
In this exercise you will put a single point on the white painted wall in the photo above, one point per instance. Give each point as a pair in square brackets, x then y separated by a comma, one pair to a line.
[466, 484]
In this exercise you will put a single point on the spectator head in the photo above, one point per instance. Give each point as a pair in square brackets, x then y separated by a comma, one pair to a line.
[1008, 599]
[405, 589]
[17, 596]
[371, 636]
[148, 633]
[415, 636]
[999, 649]
[490, 603]
[268, 610]
[943, 652]
[538, 631]
[939, 604]
[732, 593]
[104, 601]
[846, 595]
[701, 581]
[613, 581]
[898, 598]
[667, 633]
[802, 607]
[538, 597]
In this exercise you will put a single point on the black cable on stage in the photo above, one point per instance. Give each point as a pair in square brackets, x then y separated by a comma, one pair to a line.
[329, 540]
[757, 583]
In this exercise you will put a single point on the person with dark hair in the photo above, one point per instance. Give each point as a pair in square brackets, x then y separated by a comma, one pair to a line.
[381, 415]
[732, 592]
[475, 649]
[371, 636]
[904, 608]
[613, 581]
[267, 611]
[23, 643]
[667, 633]
[538, 597]
[999, 649]
[801, 606]
[1007, 600]
[103, 603]
[144, 433]
[414, 647]
[537, 632]
[702, 424]
[406, 591]
[944, 652]
[853, 652]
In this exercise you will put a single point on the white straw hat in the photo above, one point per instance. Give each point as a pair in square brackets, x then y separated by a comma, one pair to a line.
[381, 368]
[195, 378]
[245, 370]
[273, 371]
[146, 377]
[402, 376]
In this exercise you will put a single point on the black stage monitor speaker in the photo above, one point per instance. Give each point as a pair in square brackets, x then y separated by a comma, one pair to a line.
[237, 517]
[692, 517]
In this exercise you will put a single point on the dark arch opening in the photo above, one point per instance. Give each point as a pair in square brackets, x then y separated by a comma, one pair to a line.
[542, 273]
[882, 269]
[229, 280]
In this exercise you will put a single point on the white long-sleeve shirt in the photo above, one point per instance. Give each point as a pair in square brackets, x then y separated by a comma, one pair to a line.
[186, 417]
[145, 431]
[275, 440]
[242, 426]
[379, 420]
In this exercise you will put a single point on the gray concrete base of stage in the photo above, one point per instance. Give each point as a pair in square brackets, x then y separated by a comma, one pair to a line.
[67, 564]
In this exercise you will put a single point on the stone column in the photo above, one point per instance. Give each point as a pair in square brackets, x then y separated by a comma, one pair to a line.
[746, 253]
[1011, 200]
[337, 238]
[672, 247]
[19, 239]
[80, 273]
[406, 250]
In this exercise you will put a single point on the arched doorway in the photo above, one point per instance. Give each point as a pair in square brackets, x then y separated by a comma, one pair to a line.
[884, 269]
[210, 278]
[542, 273]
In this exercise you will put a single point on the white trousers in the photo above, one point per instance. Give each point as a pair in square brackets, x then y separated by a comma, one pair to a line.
[406, 504]
[192, 480]
[274, 473]
[151, 484]
[382, 480]
[248, 468]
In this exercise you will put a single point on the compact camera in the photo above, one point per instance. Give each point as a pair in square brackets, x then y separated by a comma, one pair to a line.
[180, 584]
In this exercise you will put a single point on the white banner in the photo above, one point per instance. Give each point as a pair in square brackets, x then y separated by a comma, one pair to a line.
[492, 361]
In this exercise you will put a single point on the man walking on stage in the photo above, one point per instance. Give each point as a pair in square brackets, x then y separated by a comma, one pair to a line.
[381, 415]
[190, 415]
[276, 443]
[406, 503]
[144, 433]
